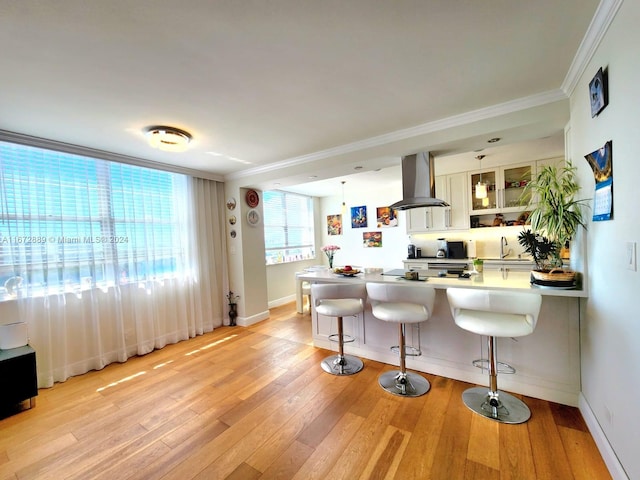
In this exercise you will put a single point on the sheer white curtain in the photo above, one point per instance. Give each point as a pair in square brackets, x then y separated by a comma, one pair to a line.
[108, 260]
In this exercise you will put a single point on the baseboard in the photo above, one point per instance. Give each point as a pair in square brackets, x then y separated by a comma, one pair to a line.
[608, 454]
[281, 301]
[253, 319]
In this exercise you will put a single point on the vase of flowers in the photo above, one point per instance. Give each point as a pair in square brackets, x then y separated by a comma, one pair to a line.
[330, 251]
[233, 307]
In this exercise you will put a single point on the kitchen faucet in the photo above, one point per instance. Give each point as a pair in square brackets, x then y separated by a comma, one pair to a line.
[503, 243]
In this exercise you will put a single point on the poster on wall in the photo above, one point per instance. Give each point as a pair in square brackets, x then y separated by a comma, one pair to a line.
[601, 162]
[359, 217]
[334, 224]
[372, 239]
[386, 217]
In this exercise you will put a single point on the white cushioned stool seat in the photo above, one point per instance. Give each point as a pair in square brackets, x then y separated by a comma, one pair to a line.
[340, 300]
[402, 304]
[341, 307]
[495, 314]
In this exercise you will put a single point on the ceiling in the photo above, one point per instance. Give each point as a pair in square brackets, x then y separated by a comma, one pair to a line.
[279, 82]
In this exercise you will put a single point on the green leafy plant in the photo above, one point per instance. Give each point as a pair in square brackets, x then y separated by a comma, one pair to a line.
[541, 249]
[555, 214]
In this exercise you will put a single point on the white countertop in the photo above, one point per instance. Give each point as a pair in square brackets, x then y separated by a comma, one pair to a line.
[491, 280]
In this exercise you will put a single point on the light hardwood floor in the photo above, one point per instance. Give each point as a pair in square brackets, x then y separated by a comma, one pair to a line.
[248, 403]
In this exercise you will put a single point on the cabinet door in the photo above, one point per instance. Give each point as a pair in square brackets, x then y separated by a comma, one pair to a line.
[440, 215]
[458, 214]
[482, 206]
[514, 178]
[418, 220]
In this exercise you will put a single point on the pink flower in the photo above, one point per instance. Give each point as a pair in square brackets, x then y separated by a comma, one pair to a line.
[330, 251]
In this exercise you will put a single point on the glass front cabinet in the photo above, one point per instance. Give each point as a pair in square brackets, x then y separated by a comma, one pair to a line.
[504, 188]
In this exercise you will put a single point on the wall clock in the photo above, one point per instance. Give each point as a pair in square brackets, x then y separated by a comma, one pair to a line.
[253, 218]
[252, 198]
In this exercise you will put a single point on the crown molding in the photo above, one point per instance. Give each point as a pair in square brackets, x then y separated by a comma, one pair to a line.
[598, 27]
[472, 116]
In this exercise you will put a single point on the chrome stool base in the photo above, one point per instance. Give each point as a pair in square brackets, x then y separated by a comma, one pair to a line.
[341, 365]
[404, 385]
[507, 408]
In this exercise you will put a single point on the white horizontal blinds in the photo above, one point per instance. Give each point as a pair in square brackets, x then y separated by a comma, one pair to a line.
[288, 227]
[68, 221]
[299, 211]
[149, 241]
[275, 221]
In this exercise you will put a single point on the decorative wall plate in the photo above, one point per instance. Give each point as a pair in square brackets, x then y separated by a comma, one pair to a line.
[232, 220]
[232, 233]
[253, 218]
[231, 203]
[253, 199]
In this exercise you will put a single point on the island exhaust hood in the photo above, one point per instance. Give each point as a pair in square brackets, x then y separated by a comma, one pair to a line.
[418, 183]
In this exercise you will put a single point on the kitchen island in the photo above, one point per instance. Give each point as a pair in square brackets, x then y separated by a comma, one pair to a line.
[547, 362]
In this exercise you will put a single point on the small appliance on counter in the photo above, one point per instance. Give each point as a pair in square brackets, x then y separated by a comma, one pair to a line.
[442, 248]
[411, 251]
[456, 249]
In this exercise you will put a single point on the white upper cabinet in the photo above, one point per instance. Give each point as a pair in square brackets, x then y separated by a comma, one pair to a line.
[504, 188]
[453, 190]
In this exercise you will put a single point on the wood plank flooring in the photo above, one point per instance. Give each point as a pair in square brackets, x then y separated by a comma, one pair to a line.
[253, 403]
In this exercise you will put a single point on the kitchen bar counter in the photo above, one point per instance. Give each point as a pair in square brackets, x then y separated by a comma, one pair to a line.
[489, 279]
[547, 362]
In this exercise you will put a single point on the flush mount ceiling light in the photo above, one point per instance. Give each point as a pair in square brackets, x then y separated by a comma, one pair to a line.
[481, 188]
[169, 139]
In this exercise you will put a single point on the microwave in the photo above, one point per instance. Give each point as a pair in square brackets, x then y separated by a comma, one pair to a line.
[457, 249]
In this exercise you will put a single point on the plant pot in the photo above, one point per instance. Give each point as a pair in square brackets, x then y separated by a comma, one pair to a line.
[556, 277]
[233, 313]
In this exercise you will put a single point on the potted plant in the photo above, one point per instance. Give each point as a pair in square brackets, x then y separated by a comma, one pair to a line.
[478, 265]
[555, 217]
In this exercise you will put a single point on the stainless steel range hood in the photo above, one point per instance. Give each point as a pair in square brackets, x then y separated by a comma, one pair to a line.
[418, 183]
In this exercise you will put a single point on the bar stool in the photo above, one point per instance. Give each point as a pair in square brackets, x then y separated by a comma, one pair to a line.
[495, 314]
[402, 304]
[340, 300]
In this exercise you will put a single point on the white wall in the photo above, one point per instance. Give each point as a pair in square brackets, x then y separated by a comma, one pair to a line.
[353, 252]
[610, 330]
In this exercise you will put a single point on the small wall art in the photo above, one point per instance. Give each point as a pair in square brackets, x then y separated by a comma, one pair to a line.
[359, 217]
[386, 217]
[372, 239]
[334, 224]
[601, 162]
[598, 92]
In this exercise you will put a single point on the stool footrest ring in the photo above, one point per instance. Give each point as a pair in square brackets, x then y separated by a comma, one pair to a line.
[409, 351]
[483, 363]
[335, 337]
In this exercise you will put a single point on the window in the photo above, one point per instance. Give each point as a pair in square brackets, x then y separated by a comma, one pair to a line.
[68, 221]
[288, 227]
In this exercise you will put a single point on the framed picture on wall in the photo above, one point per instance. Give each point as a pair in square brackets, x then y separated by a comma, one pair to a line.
[359, 217]
[386, 217]
[598, 92]
[372, 239]
[334, 224]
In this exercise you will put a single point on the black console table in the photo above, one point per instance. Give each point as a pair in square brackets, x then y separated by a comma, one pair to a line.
[18, 378]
